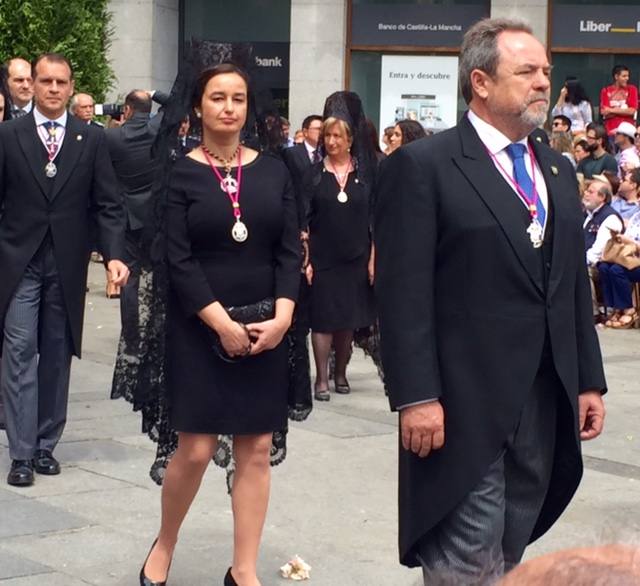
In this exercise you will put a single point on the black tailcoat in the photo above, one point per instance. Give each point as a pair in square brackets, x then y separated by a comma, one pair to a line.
[467, 307]
[130, 147]
[84, 188]
[298, 161]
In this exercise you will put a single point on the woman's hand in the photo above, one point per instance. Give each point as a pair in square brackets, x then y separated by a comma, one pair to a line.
[308, 272]
[371, 267]
[235, 339]
[268, 334]
[562, 98]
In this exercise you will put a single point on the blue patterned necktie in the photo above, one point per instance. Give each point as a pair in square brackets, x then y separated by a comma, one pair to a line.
[517, 152]
[52, 144]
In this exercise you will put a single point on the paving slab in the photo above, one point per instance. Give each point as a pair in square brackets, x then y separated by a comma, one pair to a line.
[30, 517]
[71, 481]
[7, 495]
[70, 551]
[50, 579]
[13, 566]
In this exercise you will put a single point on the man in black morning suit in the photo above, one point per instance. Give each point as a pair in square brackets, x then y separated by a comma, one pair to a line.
[300, 157]
[136, 168]
[488, 343]
[55, 176]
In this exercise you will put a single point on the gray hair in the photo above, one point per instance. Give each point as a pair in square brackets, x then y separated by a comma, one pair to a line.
[74, 101]
[480, 49]
[605, 191]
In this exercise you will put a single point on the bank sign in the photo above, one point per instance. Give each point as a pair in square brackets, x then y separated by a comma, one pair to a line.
[413, 25]
[596, 27]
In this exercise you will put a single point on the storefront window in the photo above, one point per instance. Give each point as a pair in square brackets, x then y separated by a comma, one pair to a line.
[237, 20]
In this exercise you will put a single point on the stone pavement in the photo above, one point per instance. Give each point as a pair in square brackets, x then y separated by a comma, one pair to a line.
[333, 499]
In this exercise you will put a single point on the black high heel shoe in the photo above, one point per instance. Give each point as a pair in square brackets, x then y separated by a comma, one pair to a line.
[228, 579]
[144, 581]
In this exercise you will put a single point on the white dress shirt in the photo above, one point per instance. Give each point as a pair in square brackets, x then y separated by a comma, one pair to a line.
[496, 143]
[25, 109]
[612, 222]
[41, 119]
[311, 151]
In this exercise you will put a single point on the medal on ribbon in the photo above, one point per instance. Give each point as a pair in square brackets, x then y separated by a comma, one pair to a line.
[231, 186]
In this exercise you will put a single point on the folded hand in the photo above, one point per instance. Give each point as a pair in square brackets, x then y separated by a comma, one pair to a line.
[266, 335]
[235, 339]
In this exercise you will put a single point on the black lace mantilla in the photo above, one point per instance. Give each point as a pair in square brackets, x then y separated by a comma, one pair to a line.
[139, 378]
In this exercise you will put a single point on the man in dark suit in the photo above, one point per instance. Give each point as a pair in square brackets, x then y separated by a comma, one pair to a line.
[485, 319]
[301, 156]
[20, 85]
[55, 176]
[82, 106]
[130, 147]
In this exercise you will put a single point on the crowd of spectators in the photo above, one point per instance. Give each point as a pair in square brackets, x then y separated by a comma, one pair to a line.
[606, 157]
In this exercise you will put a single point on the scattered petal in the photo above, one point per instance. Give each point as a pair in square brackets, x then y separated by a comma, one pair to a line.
[296, 569]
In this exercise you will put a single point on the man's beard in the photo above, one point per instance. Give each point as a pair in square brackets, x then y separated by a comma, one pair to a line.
[538, 116]
[593, 147]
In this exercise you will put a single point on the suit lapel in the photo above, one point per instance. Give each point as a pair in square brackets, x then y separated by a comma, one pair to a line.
[74, 139]
[499, 197]
[555, 184]
[33, 149]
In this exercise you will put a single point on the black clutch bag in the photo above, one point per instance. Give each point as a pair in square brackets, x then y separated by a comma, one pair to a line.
[243, 314]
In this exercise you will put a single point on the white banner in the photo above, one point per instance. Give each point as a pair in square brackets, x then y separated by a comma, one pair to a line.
[419, 88]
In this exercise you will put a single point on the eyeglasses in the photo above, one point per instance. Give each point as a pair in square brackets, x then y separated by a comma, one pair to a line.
[556, 124]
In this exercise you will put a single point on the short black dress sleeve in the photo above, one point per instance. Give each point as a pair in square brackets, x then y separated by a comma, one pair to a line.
[206, 264]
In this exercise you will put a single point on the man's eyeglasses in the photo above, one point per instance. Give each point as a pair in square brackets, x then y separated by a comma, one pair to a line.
[556, 124]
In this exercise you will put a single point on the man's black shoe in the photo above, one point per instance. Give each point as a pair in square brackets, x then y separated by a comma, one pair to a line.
[45, 463]
[21, 473]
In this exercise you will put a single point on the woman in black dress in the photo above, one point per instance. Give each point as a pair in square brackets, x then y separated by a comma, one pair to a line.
[340, 271]
[232, 240]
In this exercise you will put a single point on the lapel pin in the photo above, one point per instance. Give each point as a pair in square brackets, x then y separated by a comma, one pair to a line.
[79, 137]
[539, 138]
[554, 169]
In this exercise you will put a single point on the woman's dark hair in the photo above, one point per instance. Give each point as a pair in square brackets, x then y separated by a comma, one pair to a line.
[210, 72]
[575, 92]
[4, 90]
[583, 144]
[262, 132]
[373, 135]
[411, 130]
[613, 179]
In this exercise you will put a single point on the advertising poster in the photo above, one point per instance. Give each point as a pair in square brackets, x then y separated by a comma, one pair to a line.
[419, 88]
[595, 27]
[395, 23]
